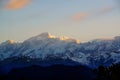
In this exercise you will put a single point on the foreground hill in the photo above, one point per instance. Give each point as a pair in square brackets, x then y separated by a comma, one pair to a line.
[56, 72]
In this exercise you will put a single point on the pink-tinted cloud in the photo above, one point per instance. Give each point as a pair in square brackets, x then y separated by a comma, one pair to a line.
[83, 15]
[79, 16]
[17, 4]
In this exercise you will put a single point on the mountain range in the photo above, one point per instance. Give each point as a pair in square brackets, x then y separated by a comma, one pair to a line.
[46, 49]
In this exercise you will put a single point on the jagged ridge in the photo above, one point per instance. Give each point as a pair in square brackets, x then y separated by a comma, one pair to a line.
[47, 47]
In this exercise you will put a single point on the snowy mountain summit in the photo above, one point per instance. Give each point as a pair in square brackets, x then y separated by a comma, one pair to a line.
[47, 35]
[46, 49]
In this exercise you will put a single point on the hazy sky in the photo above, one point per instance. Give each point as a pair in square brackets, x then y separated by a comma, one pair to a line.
[81, 19]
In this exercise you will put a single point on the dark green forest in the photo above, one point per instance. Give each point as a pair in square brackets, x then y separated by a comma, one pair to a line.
[108, 73]
[61, 72]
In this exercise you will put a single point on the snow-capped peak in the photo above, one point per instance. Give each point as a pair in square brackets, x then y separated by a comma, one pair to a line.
[11, 41]
[42, 36]
[64, 38]
[47, 36]
[8, 42]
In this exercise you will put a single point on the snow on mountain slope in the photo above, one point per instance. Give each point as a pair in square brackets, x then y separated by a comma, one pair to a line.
[43, 44]
[48, 47]
[8, 48]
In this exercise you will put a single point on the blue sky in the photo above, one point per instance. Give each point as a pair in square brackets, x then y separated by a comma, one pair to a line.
[81, 19]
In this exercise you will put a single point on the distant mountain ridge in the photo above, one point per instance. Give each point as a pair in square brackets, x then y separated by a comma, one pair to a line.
[46, 47]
